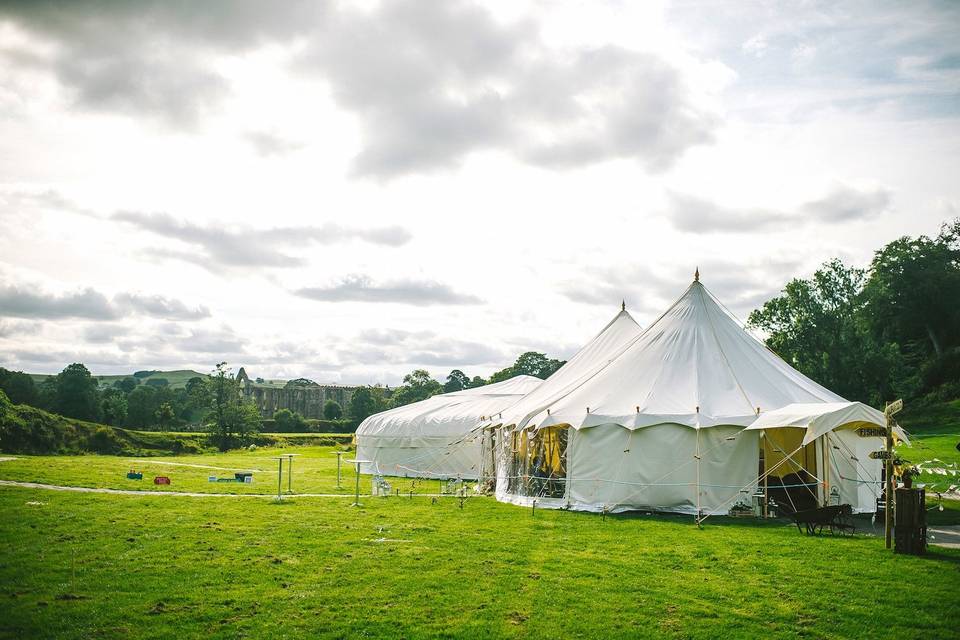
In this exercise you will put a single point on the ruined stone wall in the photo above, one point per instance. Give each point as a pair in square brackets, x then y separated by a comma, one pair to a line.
[307, 401]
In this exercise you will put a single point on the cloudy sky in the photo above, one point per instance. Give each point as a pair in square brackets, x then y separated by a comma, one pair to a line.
[346, 191]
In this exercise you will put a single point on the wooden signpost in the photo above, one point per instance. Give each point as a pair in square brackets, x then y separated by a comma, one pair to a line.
[888, 413]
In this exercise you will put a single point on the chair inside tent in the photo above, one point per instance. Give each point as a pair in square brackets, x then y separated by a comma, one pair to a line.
[792, 481]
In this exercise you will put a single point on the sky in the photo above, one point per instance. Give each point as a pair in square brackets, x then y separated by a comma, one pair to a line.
[349, 191]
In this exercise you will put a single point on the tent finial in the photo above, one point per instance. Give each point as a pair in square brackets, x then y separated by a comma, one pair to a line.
[623, 305]
[696, 274]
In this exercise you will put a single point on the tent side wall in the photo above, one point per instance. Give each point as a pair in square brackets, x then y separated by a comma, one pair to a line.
[421, 456]
[852, 470]
[656, 468]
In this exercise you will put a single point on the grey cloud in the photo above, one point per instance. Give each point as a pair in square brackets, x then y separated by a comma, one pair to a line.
[153, 57]
[22, 302]
[842, 204]
[207, 341]
[219, 247]
[434, 82]
[431, 81]
[845, 203]
[361, 288]
[11, 328]
[268, 144]
[104, 333]
[739, 285]
[392, 346]
[161, 307]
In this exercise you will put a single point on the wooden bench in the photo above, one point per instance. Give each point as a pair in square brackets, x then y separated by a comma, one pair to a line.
[836, 518]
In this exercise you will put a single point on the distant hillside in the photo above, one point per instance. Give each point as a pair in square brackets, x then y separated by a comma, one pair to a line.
[28, 430]
[175, 379]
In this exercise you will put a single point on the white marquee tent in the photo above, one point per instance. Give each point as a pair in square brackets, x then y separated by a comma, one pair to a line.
[434, 438]
[659, 424]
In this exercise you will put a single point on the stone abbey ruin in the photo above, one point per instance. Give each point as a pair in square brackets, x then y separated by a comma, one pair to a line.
[304, 396]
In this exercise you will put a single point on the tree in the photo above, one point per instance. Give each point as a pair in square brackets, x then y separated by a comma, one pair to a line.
[18, 386]
[232, 418]
[76, 393]
[157, 382]
[913, 291]
[530, 363]
[142, 404]
[287, 421]
[113, 406]
[332, 410]
[127, 384]
[367, 401]
[819, 326]
[417, 385]
[164, 415]
[456, 381]
[477, 382]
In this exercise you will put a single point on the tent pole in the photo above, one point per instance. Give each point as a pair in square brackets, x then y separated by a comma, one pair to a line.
[826, 468]
[766, 496]
[699, 512]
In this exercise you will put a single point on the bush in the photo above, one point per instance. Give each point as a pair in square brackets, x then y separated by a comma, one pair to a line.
[104, 440]
[286, 421]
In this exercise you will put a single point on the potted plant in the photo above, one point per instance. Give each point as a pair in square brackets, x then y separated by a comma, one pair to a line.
[906, 471]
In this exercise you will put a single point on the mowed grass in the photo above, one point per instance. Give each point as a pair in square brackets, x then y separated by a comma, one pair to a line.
[116, 566]
[314, 471]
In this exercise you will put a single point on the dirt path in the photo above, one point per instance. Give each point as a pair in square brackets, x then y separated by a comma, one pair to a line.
[134, 492]
[943, 535]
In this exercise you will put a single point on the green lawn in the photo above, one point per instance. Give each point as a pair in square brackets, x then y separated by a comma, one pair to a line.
[934, 432]
[315, 471]
[117, 566]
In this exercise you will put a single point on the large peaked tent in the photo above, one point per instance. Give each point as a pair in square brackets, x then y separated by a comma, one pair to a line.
[661, 425]
[434, 438]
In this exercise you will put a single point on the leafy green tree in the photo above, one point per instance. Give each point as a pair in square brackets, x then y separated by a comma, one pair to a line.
[232, 418]
[113, 406]
[913, 293]
[477, 381]
[819, 326]
[164, 415]
[243, 420]
[127, 384]
[142, 404]
[530, 363]
[417, 386]
[18, 386]
[76, 393]
[367, 401]
[157, 382]
[456, 381]
[332, 410]
[287, 421]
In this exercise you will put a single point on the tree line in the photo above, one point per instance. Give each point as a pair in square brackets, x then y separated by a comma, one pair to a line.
[891, 330]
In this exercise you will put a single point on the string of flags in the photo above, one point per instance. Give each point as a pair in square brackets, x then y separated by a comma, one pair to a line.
[950, 469]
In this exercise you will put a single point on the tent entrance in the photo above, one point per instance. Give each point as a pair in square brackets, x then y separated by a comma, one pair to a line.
[793, 482]
[538, 463]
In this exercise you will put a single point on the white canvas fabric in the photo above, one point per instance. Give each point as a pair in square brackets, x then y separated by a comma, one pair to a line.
[658, 421]
[694, 366]
[600, 351]
[818, 419]
[433, 438]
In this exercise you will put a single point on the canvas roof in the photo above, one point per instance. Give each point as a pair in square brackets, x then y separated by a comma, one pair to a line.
[695, 365]
[448, 414]
[818, 419]
[596, 354]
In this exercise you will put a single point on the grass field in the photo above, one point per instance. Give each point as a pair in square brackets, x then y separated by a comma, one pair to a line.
[117, 566]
